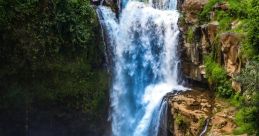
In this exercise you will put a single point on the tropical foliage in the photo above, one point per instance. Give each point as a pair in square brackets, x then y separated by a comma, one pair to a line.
[246, 13]
[51, 59]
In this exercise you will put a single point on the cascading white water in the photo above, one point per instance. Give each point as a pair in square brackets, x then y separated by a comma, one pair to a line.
[144, 43]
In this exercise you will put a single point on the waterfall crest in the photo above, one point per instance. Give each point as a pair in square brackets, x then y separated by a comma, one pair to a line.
[144, 44]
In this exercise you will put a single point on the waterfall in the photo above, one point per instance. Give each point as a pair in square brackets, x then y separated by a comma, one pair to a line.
[144, 44]
[163, 125]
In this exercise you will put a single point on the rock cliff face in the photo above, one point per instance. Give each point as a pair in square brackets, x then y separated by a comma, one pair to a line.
[201, 39]
[190, 110]
[191, 8]
[230, 50]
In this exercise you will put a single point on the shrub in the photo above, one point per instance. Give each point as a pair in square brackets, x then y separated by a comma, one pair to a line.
[214, 72]
[249, 10]
[205, 14]
[217, 76]
[223, 15]
[237, 100]
[238, 8]
[246, 120]
[249, 77]
[224, 89]
[253, 27]
[225, 23]
[248, 116]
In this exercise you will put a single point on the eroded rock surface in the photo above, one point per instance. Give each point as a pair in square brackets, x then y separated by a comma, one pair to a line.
[190, 110]
[222, 121]
[230, 43]
[200, 40]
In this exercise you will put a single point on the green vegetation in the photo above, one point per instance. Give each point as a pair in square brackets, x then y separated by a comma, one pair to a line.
[248, 116]
[224, 20]
[245, 12]
[235, 9]
[51, 59]
[217, 77]
[237, 100]
[249, 77]
[246, 120]
[182, 122]
[251, 46]
[190, 35]
[202, 123]
[204, 16]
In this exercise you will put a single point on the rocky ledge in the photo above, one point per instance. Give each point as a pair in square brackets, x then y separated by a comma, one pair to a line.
[191, 110]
